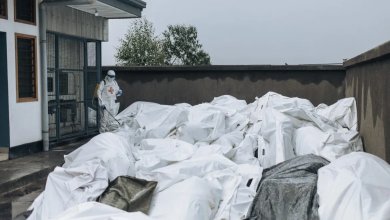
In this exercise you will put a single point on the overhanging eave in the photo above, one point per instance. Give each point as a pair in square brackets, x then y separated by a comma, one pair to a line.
[114, 9]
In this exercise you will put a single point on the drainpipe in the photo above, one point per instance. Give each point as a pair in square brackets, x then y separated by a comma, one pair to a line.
[43, 59]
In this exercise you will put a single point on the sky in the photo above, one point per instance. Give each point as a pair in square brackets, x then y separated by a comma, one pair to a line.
[250, 32]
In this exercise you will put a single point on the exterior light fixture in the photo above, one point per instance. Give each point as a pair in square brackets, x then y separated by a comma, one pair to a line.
[96, 13]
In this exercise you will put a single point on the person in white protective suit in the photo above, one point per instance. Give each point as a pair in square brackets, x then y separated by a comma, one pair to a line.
[107, 92]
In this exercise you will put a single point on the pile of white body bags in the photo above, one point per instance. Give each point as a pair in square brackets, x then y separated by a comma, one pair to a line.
[208, 160]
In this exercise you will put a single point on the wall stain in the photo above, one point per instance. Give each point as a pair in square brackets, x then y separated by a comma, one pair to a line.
[369, 82]
[319, 86]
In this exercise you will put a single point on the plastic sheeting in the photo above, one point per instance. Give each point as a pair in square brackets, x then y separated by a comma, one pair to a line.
[92, 118]
[342, 112]
[222, 145]
[229, 102]
[278, 130]
[106, 154]
[156, 153]
[148, 120]
[288, 190]
[355, 186]
[68, 187]
[99, 211]
[272, 125]
[330, 145]
[191, 199]
[206, 150]
[217, 171]
[237, 195]
[199, 125]
[129, 194]
[113, 152]
[254, 111]
[172, 174]
[239, 153]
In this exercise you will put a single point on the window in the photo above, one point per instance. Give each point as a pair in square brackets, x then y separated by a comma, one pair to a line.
[3, 9]
[26, 68]
[25, 11]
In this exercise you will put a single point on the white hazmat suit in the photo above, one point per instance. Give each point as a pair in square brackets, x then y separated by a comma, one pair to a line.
[107, 93]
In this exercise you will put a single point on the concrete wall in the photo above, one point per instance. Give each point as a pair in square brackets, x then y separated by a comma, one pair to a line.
[25, 128]
[367, 79]
[194, 85]
[24, 117]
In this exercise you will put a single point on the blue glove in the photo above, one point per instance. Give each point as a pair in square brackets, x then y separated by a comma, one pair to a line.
[103, 106]
[120, 92]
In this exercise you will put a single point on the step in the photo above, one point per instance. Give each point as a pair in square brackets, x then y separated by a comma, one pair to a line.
[20, 172]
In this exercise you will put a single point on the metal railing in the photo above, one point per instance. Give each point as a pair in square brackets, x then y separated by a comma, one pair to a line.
[71, 76]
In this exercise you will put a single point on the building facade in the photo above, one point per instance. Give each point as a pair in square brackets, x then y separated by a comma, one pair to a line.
[59, 41]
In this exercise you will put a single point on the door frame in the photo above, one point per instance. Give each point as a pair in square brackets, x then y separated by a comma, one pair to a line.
[4, 96]
[56, 106]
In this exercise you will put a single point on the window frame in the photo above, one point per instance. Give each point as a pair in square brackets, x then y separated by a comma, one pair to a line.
[6, 11]
[23, 21]
[26, 99]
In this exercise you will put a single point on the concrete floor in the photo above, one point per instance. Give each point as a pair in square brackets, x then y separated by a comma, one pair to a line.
[23, 179]
[21, 204]
[3, 156]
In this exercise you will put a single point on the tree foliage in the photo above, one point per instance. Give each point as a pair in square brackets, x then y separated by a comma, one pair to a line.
[181, 46]
[140, 47]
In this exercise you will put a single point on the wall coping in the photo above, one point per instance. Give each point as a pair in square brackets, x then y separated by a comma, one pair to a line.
[212, 68]
[375, 53]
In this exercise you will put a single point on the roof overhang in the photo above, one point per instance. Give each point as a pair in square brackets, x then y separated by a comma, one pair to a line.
[114, 9]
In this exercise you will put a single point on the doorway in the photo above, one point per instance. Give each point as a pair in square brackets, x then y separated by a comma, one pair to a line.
[4, 110]
[73, 67]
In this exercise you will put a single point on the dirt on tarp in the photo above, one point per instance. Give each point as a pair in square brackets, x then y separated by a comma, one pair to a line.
[129, 194]
[288, 190]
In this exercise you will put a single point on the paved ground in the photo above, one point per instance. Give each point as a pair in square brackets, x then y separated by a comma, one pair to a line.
[3, 156]
[23, 179]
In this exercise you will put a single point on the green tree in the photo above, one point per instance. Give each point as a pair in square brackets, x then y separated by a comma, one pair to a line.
[181, 46]
[140, 47]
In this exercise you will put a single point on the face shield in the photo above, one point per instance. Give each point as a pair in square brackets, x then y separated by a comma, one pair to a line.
[111, 78]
